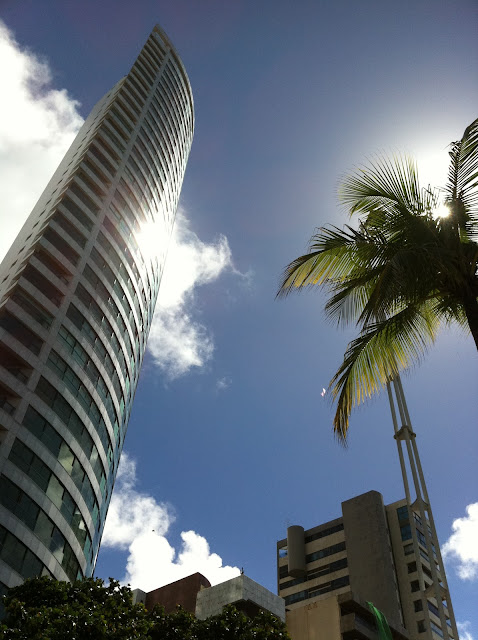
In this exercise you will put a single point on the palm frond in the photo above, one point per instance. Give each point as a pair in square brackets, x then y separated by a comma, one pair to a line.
[329, 257]
[383, 184]
[462, 187]
[381, 351]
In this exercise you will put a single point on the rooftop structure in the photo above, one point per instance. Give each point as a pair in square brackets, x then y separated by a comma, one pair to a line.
[245, 594]
[195, 594]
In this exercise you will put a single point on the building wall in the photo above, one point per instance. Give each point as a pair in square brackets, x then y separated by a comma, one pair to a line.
[181, 592]
[318, 620]
[350, 560]
[369, 554]
[77, 295]
[378, 554]
[326, 566]
[420, 608]
[248, 596]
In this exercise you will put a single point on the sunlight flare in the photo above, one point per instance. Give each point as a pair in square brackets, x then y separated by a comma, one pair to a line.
[152, 240]
[441, 211]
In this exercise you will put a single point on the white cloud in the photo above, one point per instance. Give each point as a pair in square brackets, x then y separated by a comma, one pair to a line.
[461, 547]
[223, 383]
[177, 341]
[132, 513]
[37, 125]
[464, 630]
[138, 522]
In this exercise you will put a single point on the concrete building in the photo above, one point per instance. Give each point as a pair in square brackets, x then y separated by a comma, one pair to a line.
[181, 593]
[245, 594]
[385, 555]
[77, 294]
[331, 571]
[195, 594]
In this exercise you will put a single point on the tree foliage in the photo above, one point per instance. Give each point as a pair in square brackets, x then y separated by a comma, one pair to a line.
[401, 274]
[43, 608]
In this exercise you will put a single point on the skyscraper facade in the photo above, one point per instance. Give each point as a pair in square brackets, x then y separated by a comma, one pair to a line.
[77, 294]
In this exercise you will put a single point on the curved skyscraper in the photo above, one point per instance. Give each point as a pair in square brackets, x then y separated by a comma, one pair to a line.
[77, 294]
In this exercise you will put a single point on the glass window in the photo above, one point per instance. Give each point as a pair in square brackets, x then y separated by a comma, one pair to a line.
[55, 491]
[44, 528]
[76, 211]
[325, 532]
[57, 545]
[12, 552]
[66, 457]
[406, 532]
[21, 332]
[12, 496]
[39, 427]
[85, 199]
[402, 513]
[70, 229]
[322, 553]
[15, 554]
[39, 472]
[62, 245]
[32, 566]
[32, 307]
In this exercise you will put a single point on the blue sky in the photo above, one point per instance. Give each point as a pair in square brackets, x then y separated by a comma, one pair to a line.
[230, 439]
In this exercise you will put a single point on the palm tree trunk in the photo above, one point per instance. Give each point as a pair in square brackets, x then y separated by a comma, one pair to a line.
[471, 311]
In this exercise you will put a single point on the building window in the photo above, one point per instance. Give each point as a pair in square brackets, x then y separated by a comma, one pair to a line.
[63, 247]
[317, 573]
[324, 532]
[412, 567]
[21, 332]
[49, 436]
[76, 212]
[40, 282]
[283, 571]
[421, 626]
[402, 513]
[433, 609]
[70, 229]
[16, 555]
[54, 399]
[406, 532]
[79, 391]
[322, 553]
[26, 510]
[415, 586]
[53, 265]
[83, 198]
[436, 629]
[319, 590]
[32, 307]
[418, 606]
[283, 552]
[42, 475]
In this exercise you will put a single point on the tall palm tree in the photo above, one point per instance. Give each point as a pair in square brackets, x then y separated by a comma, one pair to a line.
[402, 273]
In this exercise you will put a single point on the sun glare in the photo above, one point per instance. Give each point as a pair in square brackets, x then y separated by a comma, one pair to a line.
[441, 211]
[152, 240]
[432, 167]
